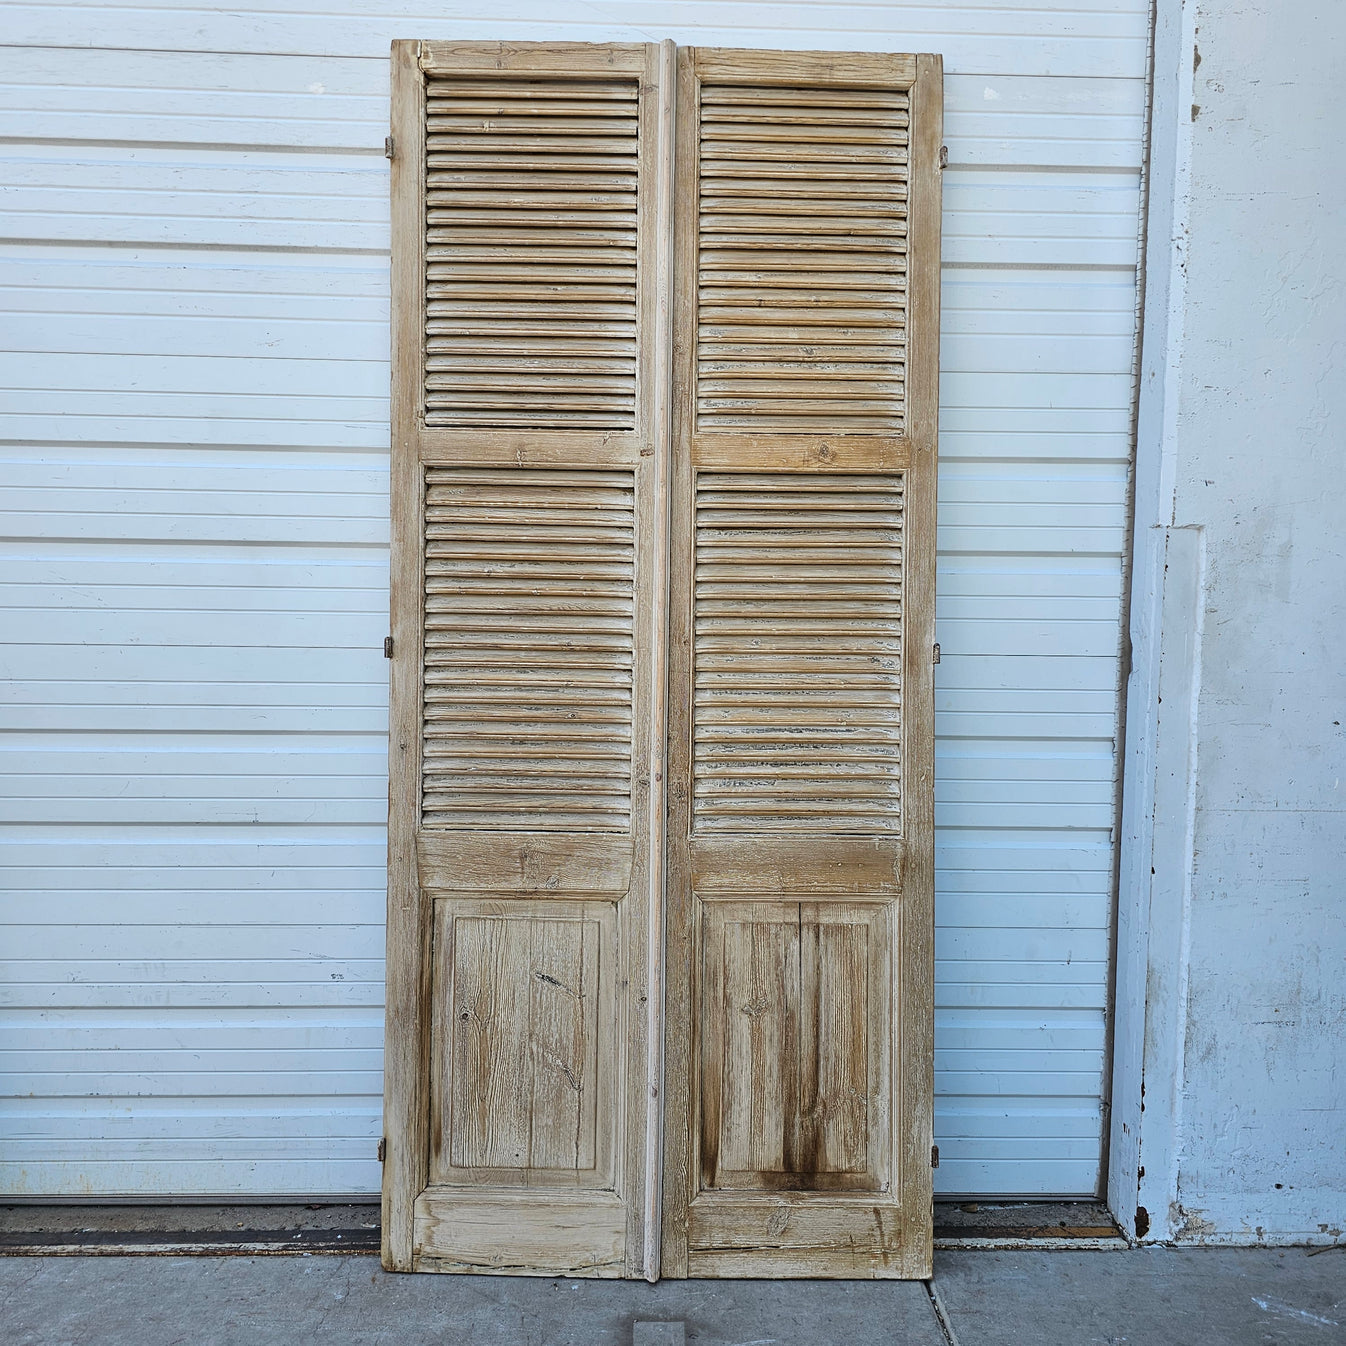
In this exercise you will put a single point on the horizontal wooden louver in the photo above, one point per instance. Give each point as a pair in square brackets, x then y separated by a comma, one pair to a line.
[529, 610]
[530, 253]
[802, 260]
[798, 653]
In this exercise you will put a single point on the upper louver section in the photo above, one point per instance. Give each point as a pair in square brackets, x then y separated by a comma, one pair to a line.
[530, 253]
[802, 251]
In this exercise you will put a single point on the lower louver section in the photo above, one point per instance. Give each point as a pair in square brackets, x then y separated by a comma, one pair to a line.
[798, 653]
[528, 649]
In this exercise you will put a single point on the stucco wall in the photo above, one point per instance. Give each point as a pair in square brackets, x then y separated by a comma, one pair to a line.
[1242, 1134]
[1263, 468]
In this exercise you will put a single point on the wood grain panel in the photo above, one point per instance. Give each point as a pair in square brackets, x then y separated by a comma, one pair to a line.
[798, 649]
[793, 1066]
[530, 252]
[802, 259]
[523, 1043]
[778, 1234]
[504, 1233]
[529, 649]
[524, 862]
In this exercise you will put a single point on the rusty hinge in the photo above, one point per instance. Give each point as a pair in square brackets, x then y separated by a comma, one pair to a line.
[936, 651]
[388, 147]
[387, 647]
[383, 1149]
[943, 156]
[934, 1156]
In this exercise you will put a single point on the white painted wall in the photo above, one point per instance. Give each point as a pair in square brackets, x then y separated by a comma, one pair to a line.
[1241, 634]
[194, 375]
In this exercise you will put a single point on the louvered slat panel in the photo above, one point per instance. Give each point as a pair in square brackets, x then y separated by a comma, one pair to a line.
[802, 260]
[528, 649]
[798, 653]
[530, 260]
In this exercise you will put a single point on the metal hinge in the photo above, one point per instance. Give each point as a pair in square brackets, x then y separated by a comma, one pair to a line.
[934, 1156]
[943, 156]
[387, 647]
[383, 1149]
[388, 147]
[936, 651]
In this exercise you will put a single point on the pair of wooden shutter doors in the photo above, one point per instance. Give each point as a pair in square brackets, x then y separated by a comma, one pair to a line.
[665, 362]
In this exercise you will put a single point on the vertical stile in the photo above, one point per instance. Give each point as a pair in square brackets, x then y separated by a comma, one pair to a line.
[662, 431]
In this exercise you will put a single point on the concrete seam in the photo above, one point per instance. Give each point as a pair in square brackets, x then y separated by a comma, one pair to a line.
[940, 1312]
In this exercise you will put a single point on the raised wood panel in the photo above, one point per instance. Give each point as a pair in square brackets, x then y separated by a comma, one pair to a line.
[523, 1043]
[530, 252]
[798, 652]
[793, 1012]
[529, 649]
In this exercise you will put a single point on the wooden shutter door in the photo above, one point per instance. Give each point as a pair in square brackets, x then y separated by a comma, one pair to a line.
[525, 443]
[800, 886]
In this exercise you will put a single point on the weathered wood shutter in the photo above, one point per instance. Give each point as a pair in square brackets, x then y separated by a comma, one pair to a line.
[526, 419]
[801, 741]
[534, 531]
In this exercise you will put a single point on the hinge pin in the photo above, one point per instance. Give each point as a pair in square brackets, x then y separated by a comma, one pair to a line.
[388, 147]
[383, 1149]
[937, 652]
[943, 156]
[387, 647]
[934, 1156]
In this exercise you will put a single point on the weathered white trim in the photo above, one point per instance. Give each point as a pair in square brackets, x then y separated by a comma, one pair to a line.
[1155, 864]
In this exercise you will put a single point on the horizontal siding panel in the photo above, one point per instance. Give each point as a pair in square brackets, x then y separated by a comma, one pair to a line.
[1063, 1177]
[201, 810]
[335, 989]
[303, 102]
[1107, 40]
[148, 942]
[197, 361]
[319, 102]
[46, 278]
[1051, 445]
[276, 1071]
[306, 631]
[226, 663]
[1031, 219]
[350, 383]
[194, 981]
[243, 1145]
[194, 1119]
[60, 705]
[194, 198]
[161, 1175]
[970, 1081]
[159, 900]
[972, 985]
[1060, 122]
[982, 1131]
[1028, 944]
[269, 336]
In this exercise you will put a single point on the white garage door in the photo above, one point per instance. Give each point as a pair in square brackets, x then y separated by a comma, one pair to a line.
[194, 580]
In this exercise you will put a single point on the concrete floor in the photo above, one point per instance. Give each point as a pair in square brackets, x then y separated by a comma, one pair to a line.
[1155, 1297]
